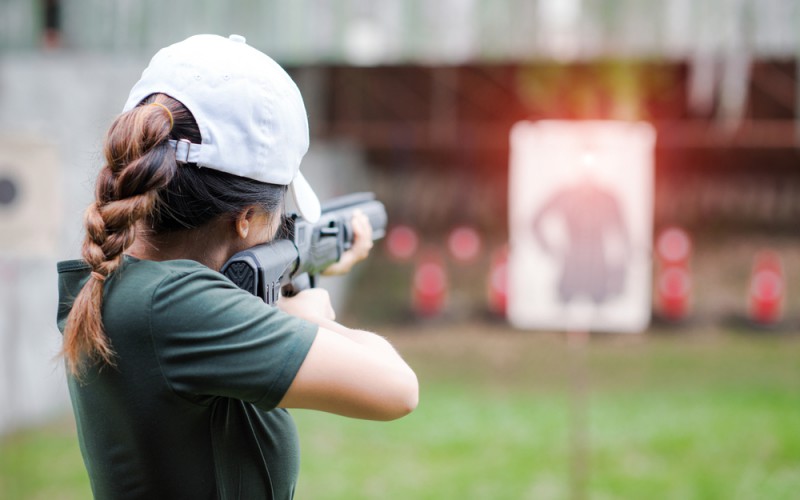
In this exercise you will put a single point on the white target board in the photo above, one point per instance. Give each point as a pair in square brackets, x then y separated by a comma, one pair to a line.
[30, 201]
[581, 218]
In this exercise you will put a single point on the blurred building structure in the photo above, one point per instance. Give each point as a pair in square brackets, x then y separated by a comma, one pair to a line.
[392, 32]
[418, 83]
[425, 94]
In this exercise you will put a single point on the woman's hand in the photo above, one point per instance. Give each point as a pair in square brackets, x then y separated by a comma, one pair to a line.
[362, 244]
[312, 304]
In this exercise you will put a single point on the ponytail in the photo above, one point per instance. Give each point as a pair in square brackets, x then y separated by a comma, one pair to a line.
[138, 163]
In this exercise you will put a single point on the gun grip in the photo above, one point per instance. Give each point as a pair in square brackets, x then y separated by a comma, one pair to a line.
[298, 284]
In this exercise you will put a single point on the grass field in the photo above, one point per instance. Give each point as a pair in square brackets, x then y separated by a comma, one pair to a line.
[697, 414]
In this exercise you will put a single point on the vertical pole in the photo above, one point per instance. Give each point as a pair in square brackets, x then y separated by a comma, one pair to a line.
[797, 78]
[577, 345]
[9, 337]
[444, 107]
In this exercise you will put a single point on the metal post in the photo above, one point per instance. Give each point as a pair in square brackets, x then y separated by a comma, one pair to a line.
[577, 344]
[797, 79]
[444, 107]
[9, 338]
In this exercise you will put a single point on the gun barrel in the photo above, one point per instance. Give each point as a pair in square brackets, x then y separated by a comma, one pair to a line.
[346, 201]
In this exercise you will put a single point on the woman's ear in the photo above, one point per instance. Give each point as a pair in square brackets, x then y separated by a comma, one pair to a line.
[243, 222]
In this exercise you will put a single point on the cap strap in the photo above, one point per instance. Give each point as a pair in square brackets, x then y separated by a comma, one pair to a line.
[185, 151]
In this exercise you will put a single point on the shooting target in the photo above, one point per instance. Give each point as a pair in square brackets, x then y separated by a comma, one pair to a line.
[581, 211]
[29, 199]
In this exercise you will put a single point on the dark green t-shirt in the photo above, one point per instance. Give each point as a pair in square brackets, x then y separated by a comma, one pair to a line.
[189, 409]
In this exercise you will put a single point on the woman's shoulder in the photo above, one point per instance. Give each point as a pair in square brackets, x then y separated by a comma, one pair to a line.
[133, 264]
[182, 290]
[164, 267]
[139, 275]
[172, 277]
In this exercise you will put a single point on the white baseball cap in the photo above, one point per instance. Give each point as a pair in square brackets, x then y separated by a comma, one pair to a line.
[250, 113]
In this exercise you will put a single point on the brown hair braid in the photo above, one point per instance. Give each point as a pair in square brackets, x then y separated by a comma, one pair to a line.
[139, 163]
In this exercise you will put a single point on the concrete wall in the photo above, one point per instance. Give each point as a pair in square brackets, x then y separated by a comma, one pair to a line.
[66, 102]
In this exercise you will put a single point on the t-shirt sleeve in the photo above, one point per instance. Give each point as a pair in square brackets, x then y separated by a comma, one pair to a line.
[214, 339]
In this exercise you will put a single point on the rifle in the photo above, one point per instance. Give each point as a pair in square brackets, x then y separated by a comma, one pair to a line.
[301, 250]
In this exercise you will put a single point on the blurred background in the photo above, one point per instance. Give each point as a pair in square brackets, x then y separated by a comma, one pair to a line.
[415, 101]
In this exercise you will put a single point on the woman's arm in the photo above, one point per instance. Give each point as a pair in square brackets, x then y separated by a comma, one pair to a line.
[348, 372]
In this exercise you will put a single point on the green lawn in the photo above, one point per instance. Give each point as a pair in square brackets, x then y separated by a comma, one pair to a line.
[43, 464]
[697, 414]
[703, 415]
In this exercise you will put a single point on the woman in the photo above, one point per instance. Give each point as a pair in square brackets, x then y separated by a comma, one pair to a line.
[179, 380]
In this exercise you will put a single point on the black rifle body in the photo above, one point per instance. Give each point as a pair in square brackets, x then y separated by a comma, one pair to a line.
[301, 250]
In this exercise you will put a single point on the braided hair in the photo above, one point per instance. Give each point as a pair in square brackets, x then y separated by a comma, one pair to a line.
[142, 181]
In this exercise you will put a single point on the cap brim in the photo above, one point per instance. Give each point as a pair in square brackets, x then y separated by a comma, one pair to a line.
[305, 199]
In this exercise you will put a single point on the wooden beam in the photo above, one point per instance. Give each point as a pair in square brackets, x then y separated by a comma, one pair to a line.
[682, 134]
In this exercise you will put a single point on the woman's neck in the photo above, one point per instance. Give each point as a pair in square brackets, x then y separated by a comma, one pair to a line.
[210, 245]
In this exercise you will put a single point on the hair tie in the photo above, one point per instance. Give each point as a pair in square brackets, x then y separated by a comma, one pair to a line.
[169, 113]
[99, 277]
